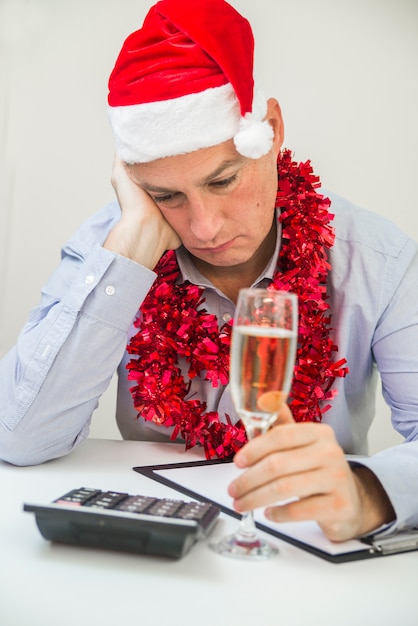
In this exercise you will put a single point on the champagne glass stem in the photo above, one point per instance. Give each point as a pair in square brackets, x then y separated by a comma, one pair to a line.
[247, 532]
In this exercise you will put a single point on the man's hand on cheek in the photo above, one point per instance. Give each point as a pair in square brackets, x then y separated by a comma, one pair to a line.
[304, 465]
[142, 234]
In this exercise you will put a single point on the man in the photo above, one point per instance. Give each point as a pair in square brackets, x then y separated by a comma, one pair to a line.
[198, 151]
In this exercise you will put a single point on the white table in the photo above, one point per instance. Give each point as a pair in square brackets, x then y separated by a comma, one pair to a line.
[56, 585]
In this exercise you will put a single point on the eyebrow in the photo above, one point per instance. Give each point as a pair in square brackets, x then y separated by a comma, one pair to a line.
[210, 177]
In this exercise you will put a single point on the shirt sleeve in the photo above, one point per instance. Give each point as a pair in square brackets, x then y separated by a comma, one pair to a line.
[67, 353]
[395, 351]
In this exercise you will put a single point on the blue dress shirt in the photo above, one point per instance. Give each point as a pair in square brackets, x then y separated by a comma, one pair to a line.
[75, 340]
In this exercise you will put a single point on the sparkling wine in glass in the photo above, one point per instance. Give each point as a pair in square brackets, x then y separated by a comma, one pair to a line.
[263, 349]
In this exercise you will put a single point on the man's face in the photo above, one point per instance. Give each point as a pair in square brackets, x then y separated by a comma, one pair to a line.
[220, 203]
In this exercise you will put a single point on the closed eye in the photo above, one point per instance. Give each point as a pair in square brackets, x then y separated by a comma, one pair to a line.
[168, 197]
[224, 182]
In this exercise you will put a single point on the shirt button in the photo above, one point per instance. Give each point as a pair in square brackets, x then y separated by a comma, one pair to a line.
[89, 279]
[110, 290]
[226, 317]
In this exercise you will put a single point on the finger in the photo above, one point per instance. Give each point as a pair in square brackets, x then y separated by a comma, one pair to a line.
[283, 476]
[279, 438]
[285, 488]
[273, 467]
[338, 524]
[310, 508]
[271, 401]
[118, 169]
[285, 416]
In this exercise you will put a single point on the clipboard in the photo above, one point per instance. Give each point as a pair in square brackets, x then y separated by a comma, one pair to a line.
[205, 482]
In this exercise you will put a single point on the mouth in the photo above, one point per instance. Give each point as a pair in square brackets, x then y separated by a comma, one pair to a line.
[216, 249]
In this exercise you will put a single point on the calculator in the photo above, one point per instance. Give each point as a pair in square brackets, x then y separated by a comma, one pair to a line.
[120, 521]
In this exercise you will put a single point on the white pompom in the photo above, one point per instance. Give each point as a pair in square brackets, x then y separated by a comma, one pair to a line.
[254, 138]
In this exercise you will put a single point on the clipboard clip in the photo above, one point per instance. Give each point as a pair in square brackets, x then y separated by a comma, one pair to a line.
[402, 542]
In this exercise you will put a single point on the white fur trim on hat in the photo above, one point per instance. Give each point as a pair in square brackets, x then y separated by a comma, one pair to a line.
[150, 131]
[255, 135]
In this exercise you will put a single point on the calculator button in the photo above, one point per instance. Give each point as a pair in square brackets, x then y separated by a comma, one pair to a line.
[135, 504]
[78, 497]
[106, 500]
[165, 508]
[194, 510]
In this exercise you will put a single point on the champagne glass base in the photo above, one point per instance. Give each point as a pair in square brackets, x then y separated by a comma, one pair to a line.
[236, 547]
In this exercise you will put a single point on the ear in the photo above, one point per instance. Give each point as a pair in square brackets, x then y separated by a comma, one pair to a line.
[275, 119]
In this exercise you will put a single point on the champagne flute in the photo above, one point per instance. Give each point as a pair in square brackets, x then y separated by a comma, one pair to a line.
[263, 349]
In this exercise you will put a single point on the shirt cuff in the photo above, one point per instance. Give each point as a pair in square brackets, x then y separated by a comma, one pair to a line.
[110, 288]
[397, 470]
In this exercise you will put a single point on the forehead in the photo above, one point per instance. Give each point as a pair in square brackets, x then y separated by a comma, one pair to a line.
[195, 166]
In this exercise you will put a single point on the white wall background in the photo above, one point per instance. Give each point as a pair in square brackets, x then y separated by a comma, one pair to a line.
[345, 72]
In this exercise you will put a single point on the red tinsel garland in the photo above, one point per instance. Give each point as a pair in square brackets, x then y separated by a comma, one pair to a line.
[173, 325]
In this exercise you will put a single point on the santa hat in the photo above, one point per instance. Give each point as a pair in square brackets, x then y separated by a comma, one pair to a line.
[184, 81]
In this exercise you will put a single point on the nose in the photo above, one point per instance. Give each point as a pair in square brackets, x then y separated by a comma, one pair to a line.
[205, 218]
